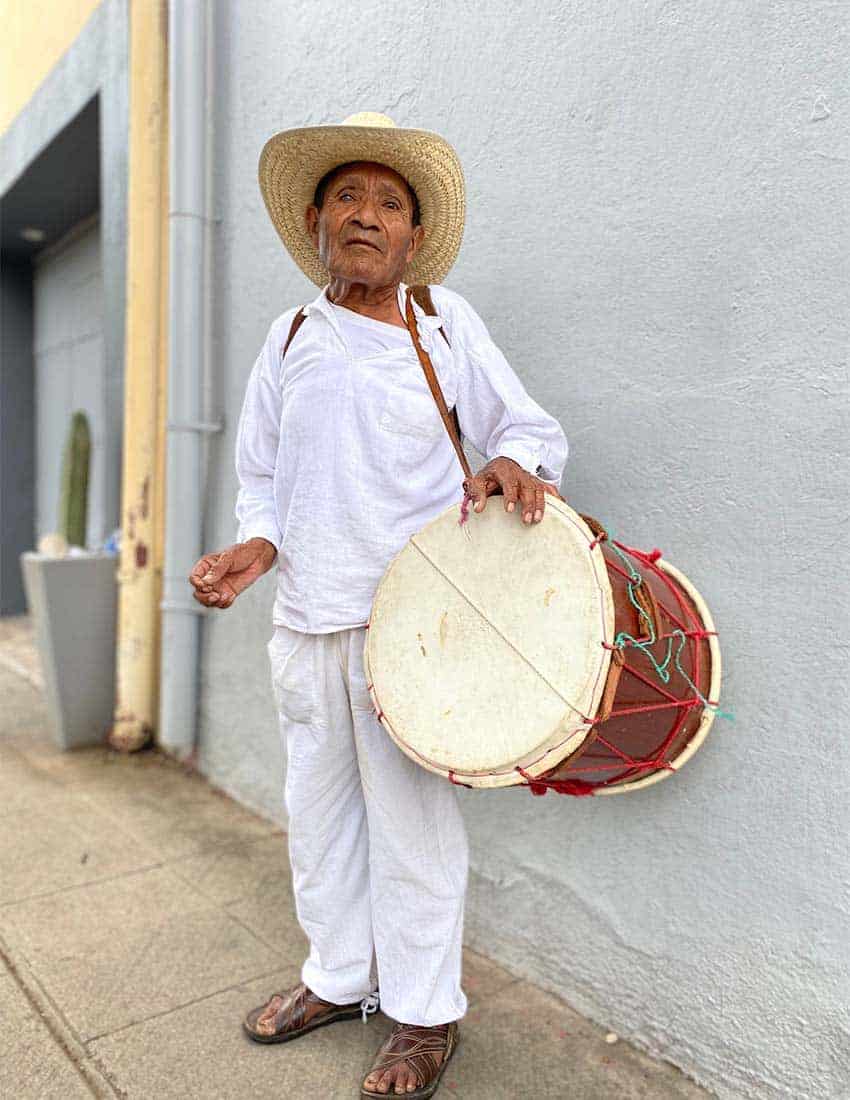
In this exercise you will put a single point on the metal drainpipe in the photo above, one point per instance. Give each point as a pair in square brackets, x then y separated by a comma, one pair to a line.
[187, 33]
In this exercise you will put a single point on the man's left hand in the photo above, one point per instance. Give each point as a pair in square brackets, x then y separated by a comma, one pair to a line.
[518, 486]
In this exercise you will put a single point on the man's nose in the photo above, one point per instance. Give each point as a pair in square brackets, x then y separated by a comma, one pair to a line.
[366, 215]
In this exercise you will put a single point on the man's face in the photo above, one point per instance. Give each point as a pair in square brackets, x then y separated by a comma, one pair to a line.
[364, 230]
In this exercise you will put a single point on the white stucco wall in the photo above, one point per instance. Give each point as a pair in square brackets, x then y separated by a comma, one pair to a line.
[658, 238]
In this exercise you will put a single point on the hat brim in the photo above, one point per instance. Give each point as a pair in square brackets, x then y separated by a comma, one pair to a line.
[293, 161]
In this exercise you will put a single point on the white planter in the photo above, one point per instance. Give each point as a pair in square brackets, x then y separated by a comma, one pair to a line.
[73, 602]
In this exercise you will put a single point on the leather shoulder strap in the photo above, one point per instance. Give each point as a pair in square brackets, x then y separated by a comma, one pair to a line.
[434, 385]
[297, 321]
[422, 297]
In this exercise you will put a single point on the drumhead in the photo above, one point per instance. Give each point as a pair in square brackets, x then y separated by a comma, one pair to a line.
[486, 648]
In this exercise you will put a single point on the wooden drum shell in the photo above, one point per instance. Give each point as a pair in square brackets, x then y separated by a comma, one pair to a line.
[618, 755]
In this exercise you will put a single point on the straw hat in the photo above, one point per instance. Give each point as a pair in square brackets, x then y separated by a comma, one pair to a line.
[293, 161]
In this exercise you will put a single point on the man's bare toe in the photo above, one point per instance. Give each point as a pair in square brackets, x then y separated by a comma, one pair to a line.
[265, 1022]
[398, 1077]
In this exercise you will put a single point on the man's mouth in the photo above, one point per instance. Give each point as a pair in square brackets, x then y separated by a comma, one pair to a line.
[362, 240]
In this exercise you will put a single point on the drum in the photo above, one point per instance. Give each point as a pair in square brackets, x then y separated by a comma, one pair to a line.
[548, 655]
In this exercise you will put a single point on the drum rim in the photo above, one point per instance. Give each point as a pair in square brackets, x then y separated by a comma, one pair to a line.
[707, 718]
[510, 777]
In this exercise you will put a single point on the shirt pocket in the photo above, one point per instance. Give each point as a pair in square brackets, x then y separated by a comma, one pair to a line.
[293, 674]
[410, 414]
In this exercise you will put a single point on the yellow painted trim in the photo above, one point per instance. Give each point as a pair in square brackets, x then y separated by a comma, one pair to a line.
[140, 573]
[162, 403]
[35, 34]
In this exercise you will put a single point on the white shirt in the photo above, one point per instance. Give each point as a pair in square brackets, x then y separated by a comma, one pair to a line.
[341, 453]
[365, 337]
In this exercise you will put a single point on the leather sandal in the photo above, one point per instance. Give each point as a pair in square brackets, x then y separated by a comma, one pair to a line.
[289, 1018]
[416, 1046]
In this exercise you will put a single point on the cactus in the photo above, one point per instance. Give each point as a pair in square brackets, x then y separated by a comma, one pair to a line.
[73, 499]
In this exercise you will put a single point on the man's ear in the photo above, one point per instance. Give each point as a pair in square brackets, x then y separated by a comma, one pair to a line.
[311, 220]
[416, 240]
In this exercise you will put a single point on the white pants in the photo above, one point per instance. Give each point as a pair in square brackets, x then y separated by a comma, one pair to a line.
[377, 843]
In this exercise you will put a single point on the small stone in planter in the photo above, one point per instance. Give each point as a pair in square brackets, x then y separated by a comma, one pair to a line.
[54, 545]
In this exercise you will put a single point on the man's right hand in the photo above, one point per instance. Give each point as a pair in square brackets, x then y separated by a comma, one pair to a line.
[219, 578]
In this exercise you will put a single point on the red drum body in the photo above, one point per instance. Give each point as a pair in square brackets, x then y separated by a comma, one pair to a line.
[662, 686]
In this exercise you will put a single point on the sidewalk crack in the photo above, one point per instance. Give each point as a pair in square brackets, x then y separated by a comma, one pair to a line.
[60, 1029]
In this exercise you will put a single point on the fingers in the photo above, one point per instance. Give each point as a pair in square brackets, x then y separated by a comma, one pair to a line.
[219, 578]
[210, 569]
[532, 494]
[226, 597]
[219, 568]
[201, 567]
[207, 580]
[206, 598]
[236, 583]
[219, 599]
[539, 501]
[526, 498]
[506, 478]
[510, 491]
[516, 485]
[476, 489]
[496, 477]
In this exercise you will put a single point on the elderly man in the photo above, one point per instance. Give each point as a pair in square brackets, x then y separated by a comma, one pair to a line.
[341, 456]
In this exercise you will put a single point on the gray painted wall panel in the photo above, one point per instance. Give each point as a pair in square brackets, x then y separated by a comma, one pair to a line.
[658, 237]
[70, 375]
[17, 415]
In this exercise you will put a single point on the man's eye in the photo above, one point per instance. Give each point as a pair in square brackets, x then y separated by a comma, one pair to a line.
[346, 195]
[393, 205]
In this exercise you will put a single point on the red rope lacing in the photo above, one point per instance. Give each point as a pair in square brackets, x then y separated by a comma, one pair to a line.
[693, 632]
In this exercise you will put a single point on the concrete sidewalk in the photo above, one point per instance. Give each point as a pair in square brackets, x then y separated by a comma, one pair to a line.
[142, 914]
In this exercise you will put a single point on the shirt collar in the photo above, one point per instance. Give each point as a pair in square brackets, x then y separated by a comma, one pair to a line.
[320, 303]
[424, 323]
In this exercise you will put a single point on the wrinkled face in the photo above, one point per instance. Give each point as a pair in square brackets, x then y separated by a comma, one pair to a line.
[364, 231]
